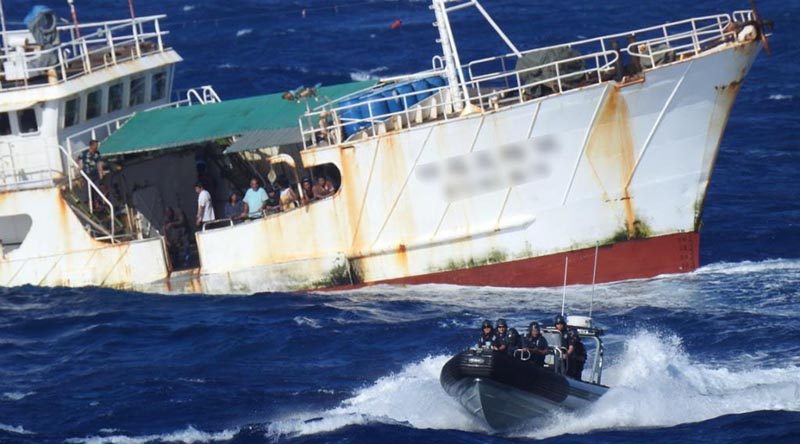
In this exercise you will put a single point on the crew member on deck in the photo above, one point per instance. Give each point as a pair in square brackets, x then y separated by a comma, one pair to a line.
[561, 325]
[576, 354]
[535, 344]
[487, 333]
[500, 340]
[513, 341]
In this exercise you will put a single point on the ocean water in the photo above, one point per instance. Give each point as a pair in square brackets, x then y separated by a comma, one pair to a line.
[710, 356]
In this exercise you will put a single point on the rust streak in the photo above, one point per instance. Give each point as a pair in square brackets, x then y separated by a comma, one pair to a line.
[610, 153]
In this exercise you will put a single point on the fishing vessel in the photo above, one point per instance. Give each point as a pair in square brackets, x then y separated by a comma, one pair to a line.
[481, 172]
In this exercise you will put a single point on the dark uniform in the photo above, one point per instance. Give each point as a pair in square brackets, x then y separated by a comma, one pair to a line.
[513, 341]
[500, 341]
[577, 358]
[487, 335]
[535, 343]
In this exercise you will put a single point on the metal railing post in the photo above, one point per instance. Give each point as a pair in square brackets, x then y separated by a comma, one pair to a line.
[110, 42]
[158, 36]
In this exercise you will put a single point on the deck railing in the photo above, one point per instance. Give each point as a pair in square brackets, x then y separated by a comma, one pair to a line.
[100, 45]
[92, 189]
[495, 81]
[486, 92]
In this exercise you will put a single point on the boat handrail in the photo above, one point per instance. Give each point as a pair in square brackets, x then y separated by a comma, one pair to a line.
[716, 21]
[93, 187]
[314, 125]
[75, 56]
[524, 355]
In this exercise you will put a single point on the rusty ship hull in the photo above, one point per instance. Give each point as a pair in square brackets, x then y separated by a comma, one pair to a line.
[471, 184]
[628, 171]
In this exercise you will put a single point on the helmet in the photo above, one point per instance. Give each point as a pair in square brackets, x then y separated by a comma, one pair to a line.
[486, 323]
[501, 323]
[559, 319]
[533, 325]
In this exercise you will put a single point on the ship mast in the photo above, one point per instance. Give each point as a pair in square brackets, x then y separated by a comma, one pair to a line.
[455, 75]
[3, 27]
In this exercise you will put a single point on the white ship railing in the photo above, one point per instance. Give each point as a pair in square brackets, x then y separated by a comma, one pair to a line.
[73, 166]
[699, 29]
[101, 45]
[494, 81]
[486, 92]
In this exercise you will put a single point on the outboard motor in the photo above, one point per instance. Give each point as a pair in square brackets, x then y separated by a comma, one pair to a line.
[43, 25]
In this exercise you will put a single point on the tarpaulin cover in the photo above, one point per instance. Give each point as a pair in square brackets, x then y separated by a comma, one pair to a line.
[175, 127]
[544, 57]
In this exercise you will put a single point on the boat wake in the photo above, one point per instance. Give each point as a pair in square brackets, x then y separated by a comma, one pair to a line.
[655, 383]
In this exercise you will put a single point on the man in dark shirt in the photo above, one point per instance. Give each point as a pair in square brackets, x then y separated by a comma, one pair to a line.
[576, 354]
[500, 340]
[535, 344]
[91, 162]
[561, 325]
[487, 333]
[273, 204]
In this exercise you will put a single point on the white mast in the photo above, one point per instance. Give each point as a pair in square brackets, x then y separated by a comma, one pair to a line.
[3, 25]
[455, 77]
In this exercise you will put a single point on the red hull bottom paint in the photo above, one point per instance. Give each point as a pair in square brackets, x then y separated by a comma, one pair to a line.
[634, 259]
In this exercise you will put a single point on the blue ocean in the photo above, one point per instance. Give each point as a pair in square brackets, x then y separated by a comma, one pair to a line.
[709, 356]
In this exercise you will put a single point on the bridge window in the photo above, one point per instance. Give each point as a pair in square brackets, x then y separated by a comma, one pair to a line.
[71, 112]
[137, 91]
[158, 89]
[115, 97]
[27, 121]
[13, 231]
[5, 124]
[94, 104]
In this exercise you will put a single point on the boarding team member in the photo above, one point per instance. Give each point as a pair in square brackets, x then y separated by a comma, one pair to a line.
[487, 334]
[576, 354]
[500, 341]
[535, 344]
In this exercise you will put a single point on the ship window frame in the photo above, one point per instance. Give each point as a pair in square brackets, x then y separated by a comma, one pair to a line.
[21, 114]
[77, 112]
[109, 103]
[5, 128]
[134, 94]
[98, 102]
[162, 92]
[26, 222]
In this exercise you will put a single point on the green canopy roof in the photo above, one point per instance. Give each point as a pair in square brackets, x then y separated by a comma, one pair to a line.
[174, 127]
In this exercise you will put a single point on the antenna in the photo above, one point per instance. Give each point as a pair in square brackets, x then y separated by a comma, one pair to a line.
[594, 276]
[74, 14]
[564, 292]
[3, 26]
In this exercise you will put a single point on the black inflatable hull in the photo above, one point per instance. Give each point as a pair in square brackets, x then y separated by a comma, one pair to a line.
[507, 392]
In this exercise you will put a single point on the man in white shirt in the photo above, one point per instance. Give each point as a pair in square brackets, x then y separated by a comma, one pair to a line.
[205, 209]
[255, 198]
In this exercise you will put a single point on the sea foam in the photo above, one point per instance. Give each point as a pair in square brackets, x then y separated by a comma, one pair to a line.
[654, 383]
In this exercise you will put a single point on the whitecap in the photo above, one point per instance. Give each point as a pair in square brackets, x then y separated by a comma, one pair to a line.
[15, 429]
[657, 384]
[243, 32]
[304, 321]
[361, 75]
[412, 397]
[187, 8]
[780, 97]
[190, 435]
[16, 396]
